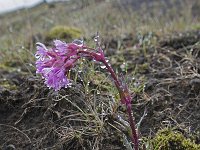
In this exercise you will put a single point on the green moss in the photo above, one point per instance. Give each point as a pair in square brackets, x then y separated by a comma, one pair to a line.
[6, 67]
[142, 68]
[167, 139]
[63, 33]
[195, 27]
[6, 84]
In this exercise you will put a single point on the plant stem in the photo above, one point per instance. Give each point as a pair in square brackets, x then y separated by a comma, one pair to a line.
[123, 92]
[127, 99]
[133, 128]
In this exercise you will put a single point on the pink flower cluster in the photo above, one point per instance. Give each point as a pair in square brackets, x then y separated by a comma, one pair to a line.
[54, 63]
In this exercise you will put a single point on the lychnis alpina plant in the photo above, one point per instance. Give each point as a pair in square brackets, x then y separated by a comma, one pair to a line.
[54, 64]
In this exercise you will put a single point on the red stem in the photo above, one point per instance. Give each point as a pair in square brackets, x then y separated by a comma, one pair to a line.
[123, 95]
[110, 69]
[133, 128]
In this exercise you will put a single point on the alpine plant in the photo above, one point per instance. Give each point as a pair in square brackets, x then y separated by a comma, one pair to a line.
[55, 63]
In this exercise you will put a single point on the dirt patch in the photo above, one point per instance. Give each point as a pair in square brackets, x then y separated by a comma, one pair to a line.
[172, 89]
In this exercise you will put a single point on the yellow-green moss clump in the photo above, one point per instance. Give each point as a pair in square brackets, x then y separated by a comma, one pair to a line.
[64, 33]
[167, 139]
[7, 85]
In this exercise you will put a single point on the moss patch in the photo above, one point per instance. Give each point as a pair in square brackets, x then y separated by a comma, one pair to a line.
[167, 139]
[7, 85]
[63, 33]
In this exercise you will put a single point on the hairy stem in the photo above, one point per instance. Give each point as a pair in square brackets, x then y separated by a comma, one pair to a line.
[133, 128]
[124, 94]
[127, 99]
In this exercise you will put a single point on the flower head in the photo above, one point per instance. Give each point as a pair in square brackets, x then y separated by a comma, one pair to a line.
[54, 63]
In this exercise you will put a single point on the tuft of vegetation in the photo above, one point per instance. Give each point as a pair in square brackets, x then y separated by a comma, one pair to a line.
[167, 139]
[7, 85]
[64, 33]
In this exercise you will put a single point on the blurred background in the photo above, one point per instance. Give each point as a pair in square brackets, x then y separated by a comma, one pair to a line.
[26, 19]
[23, 22]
